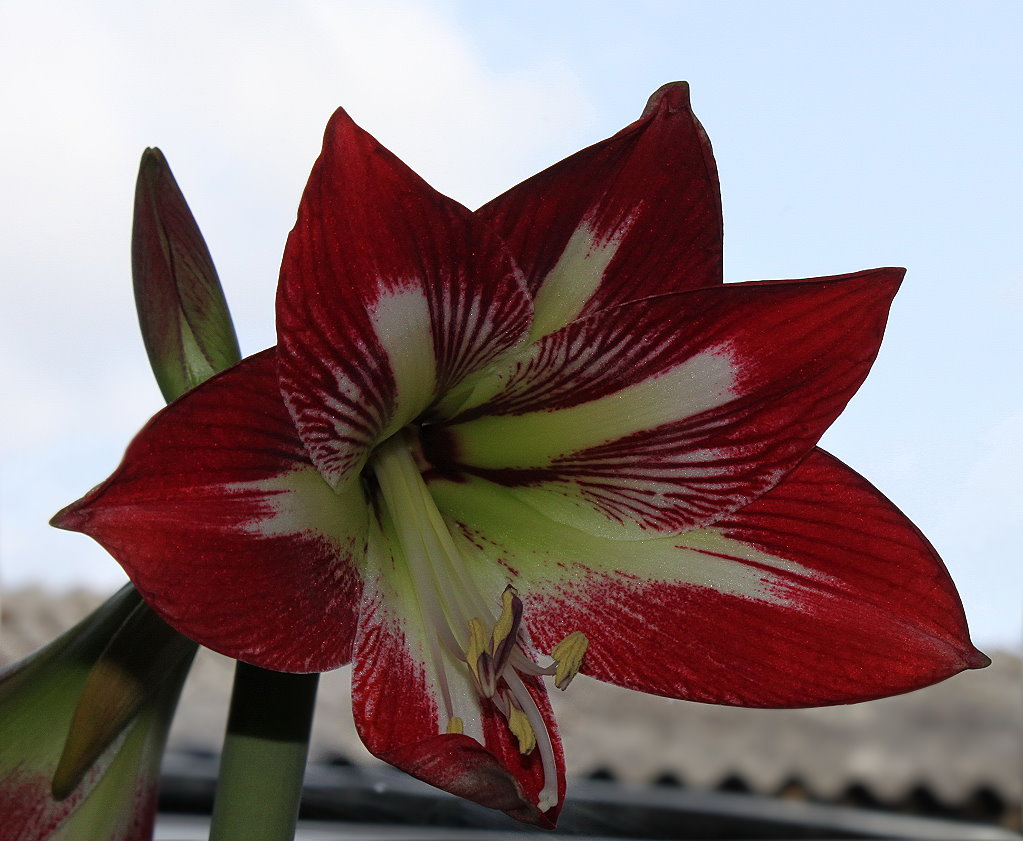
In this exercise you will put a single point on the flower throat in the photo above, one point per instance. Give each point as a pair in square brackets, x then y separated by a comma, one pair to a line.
[481, 633]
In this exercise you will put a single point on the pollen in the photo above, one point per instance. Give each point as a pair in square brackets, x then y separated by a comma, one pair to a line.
[518, 723]
[487, 655]
[476, 648]
[455, 726]
[508, 621]
[568, 657]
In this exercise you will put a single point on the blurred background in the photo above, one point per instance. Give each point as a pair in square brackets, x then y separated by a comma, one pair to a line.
[848, 136]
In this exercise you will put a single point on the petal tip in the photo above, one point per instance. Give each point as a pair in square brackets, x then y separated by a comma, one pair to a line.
[338, 125]
[673, 97]
[895, 274]
[976, 659]
[72, 517]
[462, 766]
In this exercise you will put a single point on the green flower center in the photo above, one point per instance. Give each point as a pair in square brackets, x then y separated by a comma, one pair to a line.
[461, 622]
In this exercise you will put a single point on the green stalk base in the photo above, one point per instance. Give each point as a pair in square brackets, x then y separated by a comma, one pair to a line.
[263, 763]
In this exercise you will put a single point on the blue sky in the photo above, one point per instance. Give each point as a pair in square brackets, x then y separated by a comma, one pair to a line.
[847, 136]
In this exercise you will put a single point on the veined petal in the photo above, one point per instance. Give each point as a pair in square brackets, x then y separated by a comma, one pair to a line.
[218, 515]
[638, 214]
[390, 293]
[447, 735]
[820, 592]
[662, 415]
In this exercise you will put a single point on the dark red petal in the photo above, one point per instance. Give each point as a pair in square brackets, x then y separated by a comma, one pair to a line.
[661, 415]
[651, 190]
[389, 294]
[869, 611]
[226, 529]
[396, 709]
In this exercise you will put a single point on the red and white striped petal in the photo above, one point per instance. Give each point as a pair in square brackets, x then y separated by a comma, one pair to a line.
[662, 415]
[820, 592]
[390, 293]
[407, 659]
[218, 516]
[638, 214]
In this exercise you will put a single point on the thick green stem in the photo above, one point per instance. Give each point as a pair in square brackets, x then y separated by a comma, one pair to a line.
[264, 758]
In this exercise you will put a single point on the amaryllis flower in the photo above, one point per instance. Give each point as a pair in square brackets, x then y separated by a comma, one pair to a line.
[533, 440]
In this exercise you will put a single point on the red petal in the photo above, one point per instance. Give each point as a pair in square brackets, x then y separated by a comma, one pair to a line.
[662, 415]
[870, 611]
[462, 766]
[396, 709]
[389, 294]
[226, 529]
[651, 192]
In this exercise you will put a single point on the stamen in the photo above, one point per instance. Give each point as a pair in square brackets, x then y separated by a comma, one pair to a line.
[549, 793]
[568, 655]
[476, 647]
[518, 723]
[458, 617]
[521, 663]
[487, 661]
[506, 622]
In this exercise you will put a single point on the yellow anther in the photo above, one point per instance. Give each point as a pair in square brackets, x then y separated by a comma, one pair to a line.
[568, 656]
[518, 723]
[506, 621]
[455, 726]
[476, 646]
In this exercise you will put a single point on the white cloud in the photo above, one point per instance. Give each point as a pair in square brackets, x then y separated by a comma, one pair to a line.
[237, 95]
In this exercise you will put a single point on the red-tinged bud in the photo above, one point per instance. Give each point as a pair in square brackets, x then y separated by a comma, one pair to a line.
[184, 317]
[114, 796]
